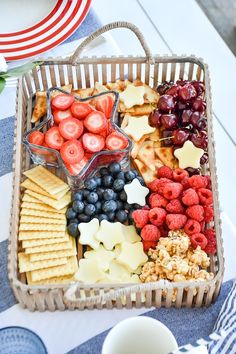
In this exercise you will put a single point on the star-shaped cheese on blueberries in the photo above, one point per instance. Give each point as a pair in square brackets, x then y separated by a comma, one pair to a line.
[110, 234]
[87, 233]
[130, 234]
[133, 96]
[102, 256]
[132, 255]
[137, 127]
[136, 193]
[89, 271]
[189, 155]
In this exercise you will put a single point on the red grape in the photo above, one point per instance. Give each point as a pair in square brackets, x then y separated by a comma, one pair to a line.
[173, 91]
[181, 82]
[166, 103]
[180, 106]
[180, 136]
[165, 135]
[193, 171]
[161, 89]
[195, 118]
[199, 86]
[204, 159]
[199, 105]
[187, 92]
[185, 117]
[169, 121]
[199, 139]
[155, 119]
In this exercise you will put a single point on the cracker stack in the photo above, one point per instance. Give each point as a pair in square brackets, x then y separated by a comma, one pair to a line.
[49, 252]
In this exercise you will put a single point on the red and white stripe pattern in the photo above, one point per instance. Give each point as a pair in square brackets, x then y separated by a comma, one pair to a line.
[55, 28]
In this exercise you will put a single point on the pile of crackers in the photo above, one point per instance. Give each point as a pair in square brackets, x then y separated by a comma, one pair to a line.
[49, 253]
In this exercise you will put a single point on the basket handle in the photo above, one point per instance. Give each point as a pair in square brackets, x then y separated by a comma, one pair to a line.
[108, 27]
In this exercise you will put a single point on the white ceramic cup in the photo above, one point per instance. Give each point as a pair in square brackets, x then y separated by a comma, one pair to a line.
[139, 335]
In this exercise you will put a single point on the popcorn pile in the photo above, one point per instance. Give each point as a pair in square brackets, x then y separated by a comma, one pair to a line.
[174, 259]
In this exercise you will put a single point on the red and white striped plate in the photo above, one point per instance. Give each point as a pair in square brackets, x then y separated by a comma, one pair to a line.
[35, 27]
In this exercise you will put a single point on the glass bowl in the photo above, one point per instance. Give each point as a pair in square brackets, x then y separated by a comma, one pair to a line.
[41, 155]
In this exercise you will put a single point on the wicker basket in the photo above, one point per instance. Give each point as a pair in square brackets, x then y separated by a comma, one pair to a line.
[83, 72]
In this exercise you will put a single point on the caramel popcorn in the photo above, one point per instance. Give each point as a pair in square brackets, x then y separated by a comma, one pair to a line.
[174, 259]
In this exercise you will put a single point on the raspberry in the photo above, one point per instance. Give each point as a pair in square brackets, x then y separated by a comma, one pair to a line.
[179, 174]
[205, 196]
[158, 184]
[185, 183]
[165, 172]
[175, 221]
[150, 233]
[157, 216]
[157, 200]
[197, 181]
[210, 235]
[163, 230]
[195, 212]
[140, 217]
[153, 186]
[149, 244]
[192, 227]
[175, 207]
[203, 224]
[172, 190]
[146, 207]
[208, 213]
[210, 248]
[198, 239]
[209, 182]
[190, 197]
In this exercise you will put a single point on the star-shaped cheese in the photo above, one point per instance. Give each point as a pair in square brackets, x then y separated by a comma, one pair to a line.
[136, 193]
[87, 233]
[119, 272]
[137, 127]
[89, 271]
[189, 155]
[132, 96]
[130, 234]
[132, 255]
[110, 234]
[102, 256]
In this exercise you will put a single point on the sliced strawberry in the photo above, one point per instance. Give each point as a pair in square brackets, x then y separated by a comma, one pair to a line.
[116, 141]
[75, 168]
[62, 101]
[105, 104]
[93, 142]
[60, 115]
[96, 122]
[72, 151]
[53, 138]
[80, 110]
[36, 138]
[71, 128]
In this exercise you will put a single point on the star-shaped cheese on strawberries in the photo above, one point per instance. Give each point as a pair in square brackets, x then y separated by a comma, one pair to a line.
[87, 233]
[132, 255]
[133, 96]
[189, 155]
[137, 127]
[136, 193]
[102, 256]
[110, 234]
[89, 271]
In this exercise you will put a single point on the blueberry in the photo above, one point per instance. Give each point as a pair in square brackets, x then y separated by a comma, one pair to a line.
[120, 175]
[118, 185]
[130, 216]
[129, 176]
[85, 192]
[75, 220]
[120, 205]
[123, 196]
[121, 216]
[90, 184]
[73, 229]
[77, 196]
[83, 218]
[78, 206]
[109, 205]
[70, 213]
[127, 206]
[135, 172]
[98, 181]
[92, 197]
[114, 168]
[107, 181]
[141, 180]
[136, 206]
[111, 216]
[99, 192]
[90, 209]
[104, 171]
[108, 194]
[115, 196]
[102, 217]
[98, 206]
